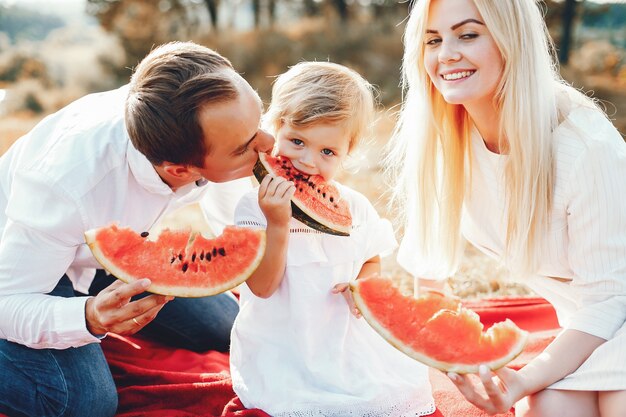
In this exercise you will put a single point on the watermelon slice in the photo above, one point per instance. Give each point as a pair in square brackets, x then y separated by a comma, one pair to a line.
[179, 262]
[434, 329]
[315, 203]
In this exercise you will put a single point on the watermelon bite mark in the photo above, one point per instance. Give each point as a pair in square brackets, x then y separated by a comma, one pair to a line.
[434, 329]
[315, 202]
[179, 262]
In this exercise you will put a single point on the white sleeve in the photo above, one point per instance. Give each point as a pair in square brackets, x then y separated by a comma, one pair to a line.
[248, 213]
[597, 238]
[219, 202]
[39, 242]
[412, 259]
[380, 238]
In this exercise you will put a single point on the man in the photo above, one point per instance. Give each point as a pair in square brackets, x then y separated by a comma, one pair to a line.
[128, 156]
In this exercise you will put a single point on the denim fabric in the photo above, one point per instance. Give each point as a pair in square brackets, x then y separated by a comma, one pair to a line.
[78, 382]
[50, 382]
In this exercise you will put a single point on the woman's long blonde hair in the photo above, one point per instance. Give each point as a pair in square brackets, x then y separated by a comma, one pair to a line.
[429, 152]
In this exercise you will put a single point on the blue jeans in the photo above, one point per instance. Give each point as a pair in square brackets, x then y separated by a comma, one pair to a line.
[77, 381]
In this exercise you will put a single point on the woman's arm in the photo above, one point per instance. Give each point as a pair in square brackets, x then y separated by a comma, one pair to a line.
[275, 201]
[564, 355]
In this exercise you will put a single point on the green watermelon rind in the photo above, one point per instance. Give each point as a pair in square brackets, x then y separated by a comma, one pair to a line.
[174, 290]
[361, 304]
[299, 210]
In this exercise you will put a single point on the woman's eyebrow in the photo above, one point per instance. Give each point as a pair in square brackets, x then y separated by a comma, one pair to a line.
[458, 25]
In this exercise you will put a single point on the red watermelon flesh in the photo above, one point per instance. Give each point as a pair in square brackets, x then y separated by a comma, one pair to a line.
[435, 329]
[315, 202]
[179, 262]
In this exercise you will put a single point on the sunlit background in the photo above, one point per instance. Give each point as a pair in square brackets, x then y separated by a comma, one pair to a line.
[54, 51]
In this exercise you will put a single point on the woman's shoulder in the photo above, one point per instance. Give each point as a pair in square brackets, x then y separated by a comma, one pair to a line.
[586, 131]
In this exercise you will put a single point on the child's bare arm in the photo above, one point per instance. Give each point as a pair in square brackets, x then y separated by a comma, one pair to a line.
[275, 201]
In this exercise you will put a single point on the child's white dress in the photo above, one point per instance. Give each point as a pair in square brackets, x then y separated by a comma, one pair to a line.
[301, 352]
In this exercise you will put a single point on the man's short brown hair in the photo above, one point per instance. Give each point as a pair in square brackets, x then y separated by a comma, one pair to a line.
[167, 90]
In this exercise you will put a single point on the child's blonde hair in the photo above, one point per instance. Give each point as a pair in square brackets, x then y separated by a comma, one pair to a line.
[314, 92]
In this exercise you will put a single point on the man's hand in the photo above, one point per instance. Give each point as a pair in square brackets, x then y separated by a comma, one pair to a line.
[112, 311]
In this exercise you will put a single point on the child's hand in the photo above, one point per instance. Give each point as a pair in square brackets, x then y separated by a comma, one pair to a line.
[344, 289]
[275, 199]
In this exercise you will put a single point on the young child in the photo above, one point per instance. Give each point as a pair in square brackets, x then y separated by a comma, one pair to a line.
[297, 350]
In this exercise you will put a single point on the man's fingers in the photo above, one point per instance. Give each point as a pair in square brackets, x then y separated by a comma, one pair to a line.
[121, 294]
[134, 324]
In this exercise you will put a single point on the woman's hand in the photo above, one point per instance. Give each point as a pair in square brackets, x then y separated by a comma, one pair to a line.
[494, 394]
[275, 199]
[112, 311]
[343, 288]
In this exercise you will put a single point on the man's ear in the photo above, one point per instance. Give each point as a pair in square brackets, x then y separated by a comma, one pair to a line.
[179, 171]
[177, 175]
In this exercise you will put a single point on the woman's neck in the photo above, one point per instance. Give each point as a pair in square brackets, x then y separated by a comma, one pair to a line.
[486, 118]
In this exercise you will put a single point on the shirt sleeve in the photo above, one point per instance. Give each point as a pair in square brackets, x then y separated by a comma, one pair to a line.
[380, 238]
[39, 242]
[597, 238]
[219, 202]
[412, 259]
[248, 213]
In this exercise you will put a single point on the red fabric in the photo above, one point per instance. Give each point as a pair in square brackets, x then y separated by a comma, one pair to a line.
[157, 381]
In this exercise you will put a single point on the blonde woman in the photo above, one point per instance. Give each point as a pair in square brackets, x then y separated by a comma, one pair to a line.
[296, 349]
[492, 146]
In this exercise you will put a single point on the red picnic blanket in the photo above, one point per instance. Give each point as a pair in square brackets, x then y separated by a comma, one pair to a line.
[158, 381]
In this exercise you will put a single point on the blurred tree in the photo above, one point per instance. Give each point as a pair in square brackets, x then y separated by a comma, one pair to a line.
[267, 7]
[212, 7]
[342, 9]
[569, 13]
[141, 24]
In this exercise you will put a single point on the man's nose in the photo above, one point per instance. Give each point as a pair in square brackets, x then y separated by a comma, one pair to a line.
[264, 142]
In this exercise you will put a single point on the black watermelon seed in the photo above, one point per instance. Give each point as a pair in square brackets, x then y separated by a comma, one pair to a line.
[185, 266]
[331, 199]
[144, 234]
[300, 189]
[173, 259]
[324, 195]
[336, 206]
[208, 257]
[193, 257]
[202, 256]
[222, 251]
[180, 256]
[214, 252]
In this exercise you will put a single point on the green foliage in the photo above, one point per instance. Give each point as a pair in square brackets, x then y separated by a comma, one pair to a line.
[22, 24]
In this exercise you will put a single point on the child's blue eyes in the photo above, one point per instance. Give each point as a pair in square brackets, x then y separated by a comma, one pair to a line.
[299, 142]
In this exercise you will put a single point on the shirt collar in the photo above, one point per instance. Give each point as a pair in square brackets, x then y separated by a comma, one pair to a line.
[144, 172]
[148, 178]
